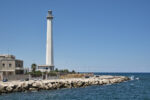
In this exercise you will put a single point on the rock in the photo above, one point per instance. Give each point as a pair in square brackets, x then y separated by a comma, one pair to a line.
[17, 86]
[45, 87]
[9, 89]
[25, 85]
[3, 89]
[113, 81]
[50, 86]
[79, 84]
[105, 81]
[33, 89]
[37, 85]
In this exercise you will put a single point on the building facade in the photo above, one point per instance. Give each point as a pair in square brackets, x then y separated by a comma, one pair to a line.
[9, 65]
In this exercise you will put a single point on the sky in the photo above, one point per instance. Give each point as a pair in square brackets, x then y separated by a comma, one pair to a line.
[89, 35]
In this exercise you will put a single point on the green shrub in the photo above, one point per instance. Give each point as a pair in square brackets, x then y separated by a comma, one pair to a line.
[52, 73]
[36, 74]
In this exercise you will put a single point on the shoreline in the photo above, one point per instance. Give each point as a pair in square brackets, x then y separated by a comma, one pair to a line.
[37, 85]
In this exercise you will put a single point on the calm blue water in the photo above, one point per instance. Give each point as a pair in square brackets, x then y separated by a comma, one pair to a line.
[136, 89]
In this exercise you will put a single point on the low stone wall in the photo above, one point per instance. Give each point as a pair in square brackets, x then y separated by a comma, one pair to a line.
[16, 77]
[18, 86]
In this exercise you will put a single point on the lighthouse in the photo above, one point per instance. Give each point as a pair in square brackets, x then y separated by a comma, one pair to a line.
[49, 43]
[49, 66]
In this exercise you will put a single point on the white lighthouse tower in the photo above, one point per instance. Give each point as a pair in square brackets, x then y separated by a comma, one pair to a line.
[49, 43]
[49, 46]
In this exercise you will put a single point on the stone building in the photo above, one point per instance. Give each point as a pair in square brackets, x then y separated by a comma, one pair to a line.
[9, 65]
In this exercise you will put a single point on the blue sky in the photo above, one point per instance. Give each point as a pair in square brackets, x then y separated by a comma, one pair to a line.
[89, 35]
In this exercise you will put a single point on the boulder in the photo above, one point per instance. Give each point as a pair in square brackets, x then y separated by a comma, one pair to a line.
[33, 89]
[50, 86]
[9, 89]
[37, 85]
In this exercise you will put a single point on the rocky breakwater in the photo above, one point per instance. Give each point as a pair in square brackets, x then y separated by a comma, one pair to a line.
[18, 86]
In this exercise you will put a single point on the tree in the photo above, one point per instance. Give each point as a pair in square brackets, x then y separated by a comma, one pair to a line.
[56, 70]
[36, 74]
[73, 71]
[33, 67]
[66, 71]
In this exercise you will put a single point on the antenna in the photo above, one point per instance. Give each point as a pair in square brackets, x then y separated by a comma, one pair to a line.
[8, 51]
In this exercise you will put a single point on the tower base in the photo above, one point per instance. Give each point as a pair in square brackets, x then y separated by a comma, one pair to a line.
[44, 68]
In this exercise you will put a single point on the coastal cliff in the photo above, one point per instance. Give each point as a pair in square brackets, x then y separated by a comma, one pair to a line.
[36, 85]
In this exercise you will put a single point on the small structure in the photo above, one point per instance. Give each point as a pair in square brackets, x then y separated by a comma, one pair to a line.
[44, 68]
[9, 65]
[49, 46]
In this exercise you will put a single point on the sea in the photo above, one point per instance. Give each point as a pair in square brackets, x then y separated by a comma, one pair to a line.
[138, 88]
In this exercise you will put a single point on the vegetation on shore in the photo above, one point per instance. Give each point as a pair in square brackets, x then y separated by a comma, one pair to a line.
[56, 72]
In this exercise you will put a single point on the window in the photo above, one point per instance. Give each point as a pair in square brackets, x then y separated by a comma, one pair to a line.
[10, 73]
[4, 73]
[51, 68]
[19, 65]
[9, 65]
[3, 65]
